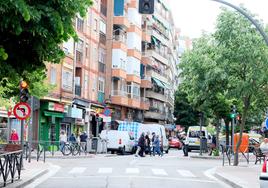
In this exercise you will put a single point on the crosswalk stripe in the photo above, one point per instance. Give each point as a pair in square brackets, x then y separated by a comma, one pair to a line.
[105, 170]
[157, 171]
[77, 170]
[132, 171]
[186, 173]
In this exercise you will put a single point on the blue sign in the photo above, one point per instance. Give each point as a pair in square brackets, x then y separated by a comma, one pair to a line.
[107, 111]
[266, 123]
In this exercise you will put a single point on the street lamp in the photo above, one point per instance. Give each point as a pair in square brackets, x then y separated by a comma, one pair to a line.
[244, 13]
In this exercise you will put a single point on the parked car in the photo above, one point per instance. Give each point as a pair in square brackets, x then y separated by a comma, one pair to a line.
[264, 175]
[119, 141]
[174, 142]
[193, 137]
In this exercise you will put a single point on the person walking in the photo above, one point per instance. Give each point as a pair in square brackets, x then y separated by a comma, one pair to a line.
[148, 143]
[14, 137]
[72, 138]
[153, 138]
[83, 140]
[63, 139]
[157, 146]
[141, 145]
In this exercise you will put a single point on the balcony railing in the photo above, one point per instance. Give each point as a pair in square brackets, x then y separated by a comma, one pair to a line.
[119, 35]
[119, 93]
[78, 90]
[145, 100]
[102, 38]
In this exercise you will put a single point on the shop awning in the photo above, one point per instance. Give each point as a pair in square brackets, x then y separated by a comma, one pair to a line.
[158, 82]
[55, 114]
[166, 85]
[155, 41]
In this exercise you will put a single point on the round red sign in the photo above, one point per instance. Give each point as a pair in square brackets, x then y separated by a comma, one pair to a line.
[22, 111]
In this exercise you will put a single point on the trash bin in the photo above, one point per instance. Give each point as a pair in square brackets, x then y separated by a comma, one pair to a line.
[204, 146]
[94, 145]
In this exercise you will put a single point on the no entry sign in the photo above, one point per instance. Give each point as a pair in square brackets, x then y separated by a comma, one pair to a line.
[22, 111]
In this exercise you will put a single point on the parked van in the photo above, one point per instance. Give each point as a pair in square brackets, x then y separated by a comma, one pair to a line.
[193, 137]
[119, 141]
[135, 129]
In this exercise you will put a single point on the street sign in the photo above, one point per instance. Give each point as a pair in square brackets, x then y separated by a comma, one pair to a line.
[22, 110]
[266, 123]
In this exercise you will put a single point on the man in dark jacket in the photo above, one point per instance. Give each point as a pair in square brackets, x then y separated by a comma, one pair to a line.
[141, 146]
[148, 144]
[83, 141]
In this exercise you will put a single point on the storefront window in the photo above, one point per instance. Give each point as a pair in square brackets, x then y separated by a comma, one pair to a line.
[3, 130]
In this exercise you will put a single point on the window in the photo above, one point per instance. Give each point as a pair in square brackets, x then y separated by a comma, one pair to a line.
[79, 51]
[80, 24]
[87, 50]
[86, 82]
[101, 85]
[102, 27]
[95, 24]
[67, 80]
[53, 75]
[102, 55]
[95, 54]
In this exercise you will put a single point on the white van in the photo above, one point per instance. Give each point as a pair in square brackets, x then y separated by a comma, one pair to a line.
[158, 130]
[119, 141]
[193, 138]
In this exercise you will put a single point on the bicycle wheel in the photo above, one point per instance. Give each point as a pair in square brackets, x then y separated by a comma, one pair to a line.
[75, 149]
[66, 150]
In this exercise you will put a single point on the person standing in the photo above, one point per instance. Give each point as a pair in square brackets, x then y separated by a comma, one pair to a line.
[153, 138]
[141, 145]
[148, 143]
[72, 138]
[157, 146]
[14, 137]
[63, 139]
[83, 140]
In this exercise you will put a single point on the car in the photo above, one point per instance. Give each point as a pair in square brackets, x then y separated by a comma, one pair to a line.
[193, 137]
[174, 142]
[264, 175]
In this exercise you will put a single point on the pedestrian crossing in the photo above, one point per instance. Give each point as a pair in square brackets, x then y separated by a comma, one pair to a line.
[133, 171]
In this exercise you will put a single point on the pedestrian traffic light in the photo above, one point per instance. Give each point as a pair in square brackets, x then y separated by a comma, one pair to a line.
[24, 93]
[146, 6]
[233, 111]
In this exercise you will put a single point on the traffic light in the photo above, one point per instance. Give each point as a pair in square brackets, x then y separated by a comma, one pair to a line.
[233, 111]
[146, 6]
[24, 93]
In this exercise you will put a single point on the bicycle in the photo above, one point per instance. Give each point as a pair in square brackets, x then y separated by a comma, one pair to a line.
[71, 148]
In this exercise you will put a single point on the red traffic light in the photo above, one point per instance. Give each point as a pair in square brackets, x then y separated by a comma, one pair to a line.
[238, 117]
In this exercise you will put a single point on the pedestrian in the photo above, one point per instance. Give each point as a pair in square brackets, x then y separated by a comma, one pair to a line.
[184, 146]
[153, 138]
[213, 145]
[72, 138]
[141, 145]
[148, 143]
[264, 146]
[157, 146]
[63, 139]
[83, 140]
[14, 137]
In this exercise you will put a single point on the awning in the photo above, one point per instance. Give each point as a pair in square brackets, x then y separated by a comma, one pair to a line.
[166, 85]
[158, 82]
[55, 114]
[155, 41]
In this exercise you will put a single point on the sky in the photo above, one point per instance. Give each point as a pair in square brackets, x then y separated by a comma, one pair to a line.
[194, 16]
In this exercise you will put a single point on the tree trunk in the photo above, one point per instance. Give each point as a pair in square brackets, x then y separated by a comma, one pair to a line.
[246, 102]
[227, 131]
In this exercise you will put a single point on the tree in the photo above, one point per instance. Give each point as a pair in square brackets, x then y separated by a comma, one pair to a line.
[31, 33]
[244, 58]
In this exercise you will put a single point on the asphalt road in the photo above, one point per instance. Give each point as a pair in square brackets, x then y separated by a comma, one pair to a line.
[172, 170]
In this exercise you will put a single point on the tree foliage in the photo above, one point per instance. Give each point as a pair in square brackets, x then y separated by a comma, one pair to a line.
[31, 33]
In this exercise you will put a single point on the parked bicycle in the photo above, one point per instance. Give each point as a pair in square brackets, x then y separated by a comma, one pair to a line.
[73, 148]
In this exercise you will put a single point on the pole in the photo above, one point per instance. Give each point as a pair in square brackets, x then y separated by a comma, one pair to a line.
[233, 135]
[200, 138]
[21, 139]
[97, 128]
[31, 130]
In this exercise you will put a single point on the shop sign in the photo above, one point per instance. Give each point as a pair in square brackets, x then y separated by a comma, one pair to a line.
[77, 113]
[56, 107]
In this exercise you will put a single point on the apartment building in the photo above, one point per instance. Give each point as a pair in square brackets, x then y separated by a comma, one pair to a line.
[142, 61]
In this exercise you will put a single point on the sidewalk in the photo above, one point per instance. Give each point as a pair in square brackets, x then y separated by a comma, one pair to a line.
[240, 176]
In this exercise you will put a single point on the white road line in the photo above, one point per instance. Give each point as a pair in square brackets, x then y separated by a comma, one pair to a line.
[77, 170]
[157, 171]
[105, 170]
[186, 173]
[132, 171]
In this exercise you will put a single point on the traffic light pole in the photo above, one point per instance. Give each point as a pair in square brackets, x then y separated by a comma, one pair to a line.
[22, 139]
[232, 135]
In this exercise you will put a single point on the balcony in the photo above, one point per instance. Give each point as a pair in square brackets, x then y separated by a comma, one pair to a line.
[101, 97]
[146, 82]
[119, 73]
[144, 103]
[133, 78]
[155, 95]
[134, 102]
[119, 40]
[154, 115]
[78, 90]
[146, 60]
[119, 97]
[133, 4]
[102, 38]
[134, 53]
[157, 54]
[146, 36]
[121, 20]
[135, 29]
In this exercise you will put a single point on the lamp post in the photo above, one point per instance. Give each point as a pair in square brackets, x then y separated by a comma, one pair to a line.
[251, 19]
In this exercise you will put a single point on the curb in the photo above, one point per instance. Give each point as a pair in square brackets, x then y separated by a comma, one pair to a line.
[227, 181]
[206, 157]
[22, 183]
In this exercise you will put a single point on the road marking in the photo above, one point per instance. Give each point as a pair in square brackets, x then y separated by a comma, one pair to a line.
[157, 171]
[132, 171]
[186, 173]
[105, 170]
[77, 170]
